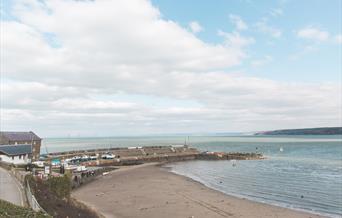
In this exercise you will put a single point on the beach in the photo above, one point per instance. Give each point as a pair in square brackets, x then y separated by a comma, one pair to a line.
[151, 191]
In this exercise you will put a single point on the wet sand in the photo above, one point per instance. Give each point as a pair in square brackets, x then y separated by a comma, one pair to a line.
[149, 191]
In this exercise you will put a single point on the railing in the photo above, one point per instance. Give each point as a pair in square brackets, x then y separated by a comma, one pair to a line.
[32, 201]
[25, 186]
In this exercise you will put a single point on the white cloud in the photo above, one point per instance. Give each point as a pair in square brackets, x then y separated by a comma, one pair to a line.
[129, 49]
[313, 33]
[235, 40]
[195, 27]
[120, 37]
[238, 22]
[264, 27]
[263, 61]
[246, 103]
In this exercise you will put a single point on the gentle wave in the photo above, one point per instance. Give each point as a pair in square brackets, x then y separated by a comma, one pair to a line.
[263, 183]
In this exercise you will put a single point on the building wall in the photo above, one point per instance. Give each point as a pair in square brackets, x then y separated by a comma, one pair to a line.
[36, 149]
[24, 159]
[3, 140]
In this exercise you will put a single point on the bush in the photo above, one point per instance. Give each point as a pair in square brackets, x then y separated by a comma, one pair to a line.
[60, 186]
[54, 196]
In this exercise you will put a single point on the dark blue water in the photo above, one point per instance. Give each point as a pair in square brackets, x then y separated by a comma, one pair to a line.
[300, 172]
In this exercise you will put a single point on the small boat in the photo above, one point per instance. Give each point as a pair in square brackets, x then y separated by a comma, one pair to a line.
[281, 149]
[233, 163]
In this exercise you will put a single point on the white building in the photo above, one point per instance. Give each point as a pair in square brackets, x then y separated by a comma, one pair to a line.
[16, 154]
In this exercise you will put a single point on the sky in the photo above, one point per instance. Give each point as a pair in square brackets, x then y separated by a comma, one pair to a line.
[140, 67]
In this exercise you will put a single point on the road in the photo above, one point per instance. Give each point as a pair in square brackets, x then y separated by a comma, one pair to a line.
[9, 188]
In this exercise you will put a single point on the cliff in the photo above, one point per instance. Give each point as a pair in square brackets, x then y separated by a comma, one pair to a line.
[308, 131]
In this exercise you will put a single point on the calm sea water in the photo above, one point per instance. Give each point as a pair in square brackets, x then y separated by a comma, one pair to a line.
[300, 172]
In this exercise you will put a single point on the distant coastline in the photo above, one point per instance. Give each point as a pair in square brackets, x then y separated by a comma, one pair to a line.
[306, 131]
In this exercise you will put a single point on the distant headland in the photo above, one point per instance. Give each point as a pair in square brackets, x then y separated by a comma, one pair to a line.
[306, 131]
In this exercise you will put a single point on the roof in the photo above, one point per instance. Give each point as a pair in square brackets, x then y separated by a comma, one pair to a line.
[20, 136]
[12, 150]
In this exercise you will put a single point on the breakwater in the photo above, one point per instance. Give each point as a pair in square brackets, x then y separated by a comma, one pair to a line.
[228, 156]
[146, 154]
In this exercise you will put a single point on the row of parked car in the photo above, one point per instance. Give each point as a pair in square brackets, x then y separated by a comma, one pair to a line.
[84, 158]
[75, 160]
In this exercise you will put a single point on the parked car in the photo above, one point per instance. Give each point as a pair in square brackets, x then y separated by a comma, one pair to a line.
[38, 163]
[81, 168]
[93, 157]
[85, 158]
[68, 160]
[75, 159]
[108, 156]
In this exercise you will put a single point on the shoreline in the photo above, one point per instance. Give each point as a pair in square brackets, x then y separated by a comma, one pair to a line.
[246, 198]
[149, 190]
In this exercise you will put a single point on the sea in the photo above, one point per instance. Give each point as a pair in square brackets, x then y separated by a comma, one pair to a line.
[299, 172]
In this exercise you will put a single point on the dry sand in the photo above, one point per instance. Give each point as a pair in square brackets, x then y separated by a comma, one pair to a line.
[149, 191]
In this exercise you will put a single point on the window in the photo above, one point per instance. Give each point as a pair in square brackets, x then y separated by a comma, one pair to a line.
[12, 157]
[19, 157]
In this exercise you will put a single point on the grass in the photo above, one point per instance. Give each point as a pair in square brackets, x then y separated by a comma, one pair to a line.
[10, 210]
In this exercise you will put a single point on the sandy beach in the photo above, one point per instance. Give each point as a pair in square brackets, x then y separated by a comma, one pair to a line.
[150, 191]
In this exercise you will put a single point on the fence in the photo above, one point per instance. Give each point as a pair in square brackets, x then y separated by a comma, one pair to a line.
[31, 200]
[20, 177]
